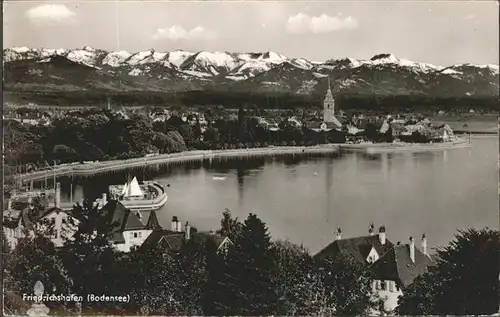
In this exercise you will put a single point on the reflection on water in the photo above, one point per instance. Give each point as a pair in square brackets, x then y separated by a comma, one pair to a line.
[305, 199]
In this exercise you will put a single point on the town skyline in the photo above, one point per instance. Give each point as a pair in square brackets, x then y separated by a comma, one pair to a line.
[441, 33]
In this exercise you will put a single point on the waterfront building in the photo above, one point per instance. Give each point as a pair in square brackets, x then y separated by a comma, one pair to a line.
[394, 267]
[131, 228]
[330, 121]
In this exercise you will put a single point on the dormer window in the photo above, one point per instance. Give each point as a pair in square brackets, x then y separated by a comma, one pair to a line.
[372, 256]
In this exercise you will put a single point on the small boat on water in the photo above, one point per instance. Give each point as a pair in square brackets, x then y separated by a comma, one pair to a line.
[144, 196]
[219, 178]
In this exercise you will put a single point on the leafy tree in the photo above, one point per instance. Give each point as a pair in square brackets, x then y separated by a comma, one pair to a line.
[296, 282]
[348, 286]
[65, 154]
[212, 134]
[193, 262]
[216, 290]
[155, 281]
[175, 142]
[465, 281]
[90, 257]
[243, 125]
[371, 132]
[187, 133]
[36, 259]
[230, 227]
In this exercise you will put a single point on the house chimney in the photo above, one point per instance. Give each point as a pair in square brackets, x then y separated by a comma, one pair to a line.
[371, 230]
[174, 224]
[381, 235]
[179, 226]
[412, 249]
[58, 195]
[339, 234]
[424, 244]
[104, 199]
[187, 231]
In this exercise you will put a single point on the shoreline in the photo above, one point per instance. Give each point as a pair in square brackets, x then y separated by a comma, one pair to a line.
[92, 168]
[406, 147]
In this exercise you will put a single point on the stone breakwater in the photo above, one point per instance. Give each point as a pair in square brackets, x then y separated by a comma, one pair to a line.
[92, 168]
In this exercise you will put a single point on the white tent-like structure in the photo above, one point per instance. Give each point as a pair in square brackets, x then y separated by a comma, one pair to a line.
[132, 189]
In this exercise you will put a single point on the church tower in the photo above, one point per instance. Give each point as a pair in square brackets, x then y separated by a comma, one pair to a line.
[329, 105]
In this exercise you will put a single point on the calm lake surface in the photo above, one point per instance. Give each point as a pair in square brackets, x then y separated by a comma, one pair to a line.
[304, 199]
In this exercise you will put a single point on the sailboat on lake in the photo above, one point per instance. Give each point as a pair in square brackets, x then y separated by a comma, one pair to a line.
[139, 196]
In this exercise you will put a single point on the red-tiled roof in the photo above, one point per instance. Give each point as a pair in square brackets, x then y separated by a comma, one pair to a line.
[396, 265]
[165, 238]
[358, 248]
[123, 218]
[317, 125]
[14, 218]
[173, 241]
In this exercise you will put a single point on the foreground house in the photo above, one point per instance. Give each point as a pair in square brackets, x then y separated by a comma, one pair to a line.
[130, 228]
[172, 240]
[62, 224]
[397, 269]
[394, 267]
[15, 224]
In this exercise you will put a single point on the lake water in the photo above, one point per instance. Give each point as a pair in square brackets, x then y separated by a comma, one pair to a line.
[306, 199]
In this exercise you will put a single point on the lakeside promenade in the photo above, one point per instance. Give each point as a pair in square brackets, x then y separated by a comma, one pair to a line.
[92, 168]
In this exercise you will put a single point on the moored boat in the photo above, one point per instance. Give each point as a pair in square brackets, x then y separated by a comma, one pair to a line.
[144, 196]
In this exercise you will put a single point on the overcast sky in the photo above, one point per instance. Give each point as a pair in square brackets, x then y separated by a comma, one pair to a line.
[437, 32]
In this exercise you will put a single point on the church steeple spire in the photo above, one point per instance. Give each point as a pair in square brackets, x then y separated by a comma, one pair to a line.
[328, 105]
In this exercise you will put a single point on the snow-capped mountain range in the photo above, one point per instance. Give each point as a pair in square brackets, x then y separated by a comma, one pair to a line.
[90, 68]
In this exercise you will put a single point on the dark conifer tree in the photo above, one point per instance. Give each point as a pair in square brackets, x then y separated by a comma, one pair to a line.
[465, 281]
[250, 267]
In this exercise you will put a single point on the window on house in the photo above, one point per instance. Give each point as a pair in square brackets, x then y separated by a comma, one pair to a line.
[391, 286]
[383, 285]
[135, 234]
[140, 234]
[132, 235]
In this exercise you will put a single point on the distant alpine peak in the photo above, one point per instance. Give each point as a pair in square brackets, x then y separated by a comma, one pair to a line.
[265, 71]
[212, 63]
[20, 49]
[88, 48]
